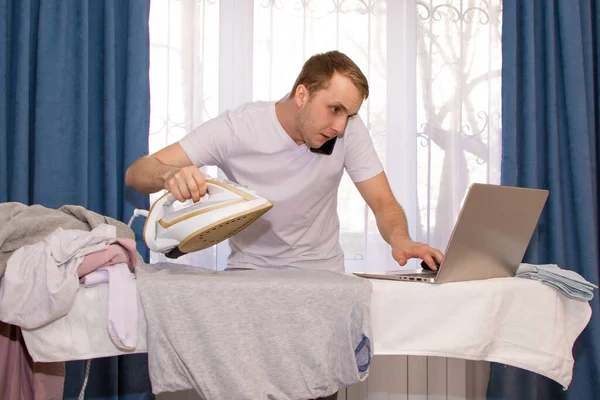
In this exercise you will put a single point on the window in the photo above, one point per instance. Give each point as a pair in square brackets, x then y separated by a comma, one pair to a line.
[433, 112]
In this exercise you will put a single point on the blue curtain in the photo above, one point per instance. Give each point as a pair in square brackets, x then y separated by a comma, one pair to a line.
[550, 124]
[74, 114]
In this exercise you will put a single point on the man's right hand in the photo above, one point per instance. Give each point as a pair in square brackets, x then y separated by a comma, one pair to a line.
[169, 168]
[186, 183]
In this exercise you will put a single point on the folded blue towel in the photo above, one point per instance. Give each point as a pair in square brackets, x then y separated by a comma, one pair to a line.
[567, 282]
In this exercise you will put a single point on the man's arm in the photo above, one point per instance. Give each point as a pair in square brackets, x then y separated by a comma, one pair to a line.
[388, 213]
[392, 224]
[169, 168]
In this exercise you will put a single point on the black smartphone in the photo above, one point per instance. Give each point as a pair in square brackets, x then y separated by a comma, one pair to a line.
[327, 147]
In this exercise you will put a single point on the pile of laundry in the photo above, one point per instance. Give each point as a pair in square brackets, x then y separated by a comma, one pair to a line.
[56, 249]
[46, 255]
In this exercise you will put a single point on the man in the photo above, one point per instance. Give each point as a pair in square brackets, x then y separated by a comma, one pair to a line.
[272, 147]
[276, 148]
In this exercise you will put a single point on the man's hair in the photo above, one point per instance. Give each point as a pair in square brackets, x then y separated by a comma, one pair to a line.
[318, 70]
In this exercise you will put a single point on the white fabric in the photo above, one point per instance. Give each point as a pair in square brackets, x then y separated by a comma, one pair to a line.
[252, 148]
[122, 306]
[82, 333]
[40, 282]
[513, 321]
[95, 278]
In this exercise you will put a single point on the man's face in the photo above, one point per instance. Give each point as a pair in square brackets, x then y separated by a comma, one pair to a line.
[325, 113]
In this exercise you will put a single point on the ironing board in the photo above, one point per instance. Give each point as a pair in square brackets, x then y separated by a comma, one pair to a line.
[514, 321]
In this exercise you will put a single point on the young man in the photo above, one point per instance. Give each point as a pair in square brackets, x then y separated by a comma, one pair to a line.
[270, 147]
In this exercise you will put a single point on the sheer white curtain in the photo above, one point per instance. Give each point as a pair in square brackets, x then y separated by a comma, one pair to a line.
[433, 111]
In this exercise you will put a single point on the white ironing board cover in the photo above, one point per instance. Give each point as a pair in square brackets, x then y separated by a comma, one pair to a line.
[513, 321]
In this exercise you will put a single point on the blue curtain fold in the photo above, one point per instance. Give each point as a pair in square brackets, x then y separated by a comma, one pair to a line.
[75, 102]
[550, 125]
[74, 114]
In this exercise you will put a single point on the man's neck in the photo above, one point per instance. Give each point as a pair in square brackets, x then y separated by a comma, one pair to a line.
[286, 113]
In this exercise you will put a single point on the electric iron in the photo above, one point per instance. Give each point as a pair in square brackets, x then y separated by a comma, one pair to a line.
[224, 211]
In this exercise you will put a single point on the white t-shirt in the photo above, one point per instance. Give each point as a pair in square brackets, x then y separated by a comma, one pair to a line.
[302, 229]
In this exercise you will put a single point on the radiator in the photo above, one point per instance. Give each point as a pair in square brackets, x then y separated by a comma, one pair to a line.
[421, 378]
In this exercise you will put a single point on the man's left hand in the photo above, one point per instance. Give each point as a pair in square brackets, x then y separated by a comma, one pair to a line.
[404, 249]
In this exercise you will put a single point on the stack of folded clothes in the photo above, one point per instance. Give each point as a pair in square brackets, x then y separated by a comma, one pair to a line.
[567, 282]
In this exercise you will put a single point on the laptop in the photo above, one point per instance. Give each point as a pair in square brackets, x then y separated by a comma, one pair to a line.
[489, 239]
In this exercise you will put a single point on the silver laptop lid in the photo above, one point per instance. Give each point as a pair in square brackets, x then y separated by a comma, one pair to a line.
[492, 232]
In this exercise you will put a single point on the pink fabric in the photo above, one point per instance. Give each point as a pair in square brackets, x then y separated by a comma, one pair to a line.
[122, 251]
[20, 377]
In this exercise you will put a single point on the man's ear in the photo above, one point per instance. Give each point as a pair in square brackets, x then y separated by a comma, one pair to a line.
[301, 96]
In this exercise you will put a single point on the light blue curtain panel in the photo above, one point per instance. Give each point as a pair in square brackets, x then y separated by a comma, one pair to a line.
[550, 127]
[74, 114]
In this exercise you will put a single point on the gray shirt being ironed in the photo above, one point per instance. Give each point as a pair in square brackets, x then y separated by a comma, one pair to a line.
[281, 334]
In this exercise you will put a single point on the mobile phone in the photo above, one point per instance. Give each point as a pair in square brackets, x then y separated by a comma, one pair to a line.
[326, 148]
